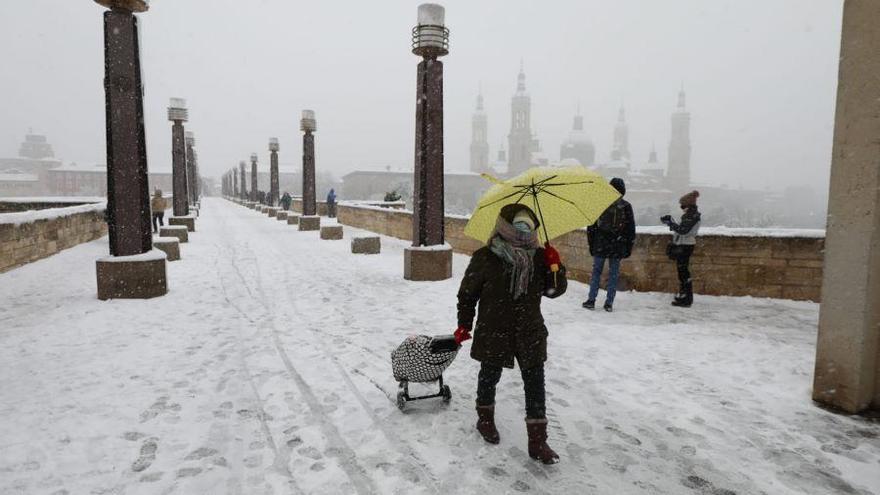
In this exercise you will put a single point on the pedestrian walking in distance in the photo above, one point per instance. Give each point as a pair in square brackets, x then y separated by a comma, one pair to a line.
[684, 240]
[508, 278]
[157, 204]
[331, 204]
[611, 238]
[285, 201]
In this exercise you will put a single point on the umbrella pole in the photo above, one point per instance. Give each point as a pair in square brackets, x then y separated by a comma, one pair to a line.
[554, 268]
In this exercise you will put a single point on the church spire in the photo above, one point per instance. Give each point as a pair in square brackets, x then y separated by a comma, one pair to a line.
[681, 97]
[578, 119]
[480, 97]
[521, 78]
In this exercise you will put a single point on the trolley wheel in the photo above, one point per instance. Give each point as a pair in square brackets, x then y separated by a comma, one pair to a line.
[446, 393]
[401, 400]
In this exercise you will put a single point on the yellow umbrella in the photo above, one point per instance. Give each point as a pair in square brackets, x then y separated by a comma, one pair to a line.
[563, 198]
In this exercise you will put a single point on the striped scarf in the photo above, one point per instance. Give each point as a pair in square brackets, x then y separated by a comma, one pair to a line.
[517, 250]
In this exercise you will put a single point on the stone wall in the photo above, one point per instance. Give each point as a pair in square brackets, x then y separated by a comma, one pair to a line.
[777, 265]
[23, 239]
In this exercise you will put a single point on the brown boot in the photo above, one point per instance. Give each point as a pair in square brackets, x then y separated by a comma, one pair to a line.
[486, 424]
[538, 448]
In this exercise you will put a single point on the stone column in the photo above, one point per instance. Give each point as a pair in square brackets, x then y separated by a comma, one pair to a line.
[273, 171]
[425, 261]
[242, 184]
[190, 140]
[178, 114]
[128, 196]
[254, 181]
[235, 184]
[308, 125]
[848, 348]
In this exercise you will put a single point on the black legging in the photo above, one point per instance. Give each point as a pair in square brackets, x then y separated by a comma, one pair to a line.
[533, 383]
[160, 217]
[682, 264]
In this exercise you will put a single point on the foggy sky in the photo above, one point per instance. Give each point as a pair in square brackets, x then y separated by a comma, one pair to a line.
[760, 77]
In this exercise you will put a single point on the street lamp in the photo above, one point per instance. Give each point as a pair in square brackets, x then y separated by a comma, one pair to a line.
[178, 114]
[274, 147]
[254, 191]
[309, 219]
[131, 271]
[430, 40]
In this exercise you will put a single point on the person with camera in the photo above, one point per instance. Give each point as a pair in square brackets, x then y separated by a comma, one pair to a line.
[684, 239]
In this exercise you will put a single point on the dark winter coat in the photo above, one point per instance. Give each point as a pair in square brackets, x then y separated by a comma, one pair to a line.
[506, 328]
[614, 233]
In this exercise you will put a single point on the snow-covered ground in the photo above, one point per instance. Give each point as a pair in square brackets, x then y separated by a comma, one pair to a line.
[266, 370]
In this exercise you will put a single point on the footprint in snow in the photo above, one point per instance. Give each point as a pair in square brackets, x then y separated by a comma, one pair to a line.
[147, 455]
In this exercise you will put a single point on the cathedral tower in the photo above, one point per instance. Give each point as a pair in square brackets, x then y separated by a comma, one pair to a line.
[520, 138]
[679, 169]
[479, 143]
[620, 149]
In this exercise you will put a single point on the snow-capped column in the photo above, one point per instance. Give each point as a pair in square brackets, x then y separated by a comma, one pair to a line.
[848, 348]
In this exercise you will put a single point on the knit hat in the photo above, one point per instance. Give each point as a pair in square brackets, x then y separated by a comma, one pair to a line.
[525, 217]
[689, 199]
[617, 183]
[510, 212]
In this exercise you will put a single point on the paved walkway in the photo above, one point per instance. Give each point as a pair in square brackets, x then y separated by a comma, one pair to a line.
[266, 370]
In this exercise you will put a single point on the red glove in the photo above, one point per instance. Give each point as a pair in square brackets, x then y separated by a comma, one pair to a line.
[551, 257]
[462, 334]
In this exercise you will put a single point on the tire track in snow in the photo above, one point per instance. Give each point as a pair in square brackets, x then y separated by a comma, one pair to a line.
[282, 458]
[339, 448]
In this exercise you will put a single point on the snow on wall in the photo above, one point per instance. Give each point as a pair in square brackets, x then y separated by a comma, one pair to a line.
[776, 263]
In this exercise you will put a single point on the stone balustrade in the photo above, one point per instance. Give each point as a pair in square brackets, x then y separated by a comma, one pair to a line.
[729, 262]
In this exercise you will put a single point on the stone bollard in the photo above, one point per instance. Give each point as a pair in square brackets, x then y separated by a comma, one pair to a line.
[170, 245]
[331, 232]
[427, 263]
[178, 231]
[140, 276]
[188, 221]
[293, 219]
[366, 245]
[281, 216]
[309, 222]
[273, 211]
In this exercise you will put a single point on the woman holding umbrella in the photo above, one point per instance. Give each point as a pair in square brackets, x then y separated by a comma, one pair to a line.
[508, 278]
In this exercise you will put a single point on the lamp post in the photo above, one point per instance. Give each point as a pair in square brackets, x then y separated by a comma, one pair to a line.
[190, 141]
[242, 183]
[430, 40]
[254, 189]
[235, 193]
[178, 114]
[274, 147]
[128, 196]
[309, 219]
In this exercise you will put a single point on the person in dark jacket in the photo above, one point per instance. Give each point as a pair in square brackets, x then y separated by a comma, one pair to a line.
[611, 238]
[285, 201]
[684, 240]
[331, 204]
[508, 278]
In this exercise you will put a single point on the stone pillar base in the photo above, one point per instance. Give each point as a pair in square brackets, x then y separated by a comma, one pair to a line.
[188, 221]
[273, 211]
[281, 216]
[170, 245]
[141, 276]
[310, 223]
[331, 232]
[178, 231]
[366, 245]
[293, 219]
[427, 263]
[263, 209]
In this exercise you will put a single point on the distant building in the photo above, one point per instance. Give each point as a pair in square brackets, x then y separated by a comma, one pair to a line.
[461, 190]
[620, 149]
[521, 143]
[578, 145]
[26, 174]
[479, 139]
[679, 170]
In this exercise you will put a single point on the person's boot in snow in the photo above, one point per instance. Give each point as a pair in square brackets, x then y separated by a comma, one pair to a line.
[687, 297]
[538, 448]
[486, 424]
[591, 305]
[608, 307]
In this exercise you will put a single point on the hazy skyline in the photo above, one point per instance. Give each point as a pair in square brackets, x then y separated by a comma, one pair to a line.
[760, 77]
